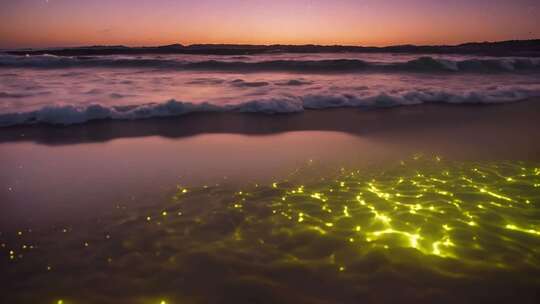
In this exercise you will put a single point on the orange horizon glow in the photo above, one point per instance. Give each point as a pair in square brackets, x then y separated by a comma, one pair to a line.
[32, 23]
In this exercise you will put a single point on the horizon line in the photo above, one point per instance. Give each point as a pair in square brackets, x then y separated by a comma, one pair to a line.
[269, 45]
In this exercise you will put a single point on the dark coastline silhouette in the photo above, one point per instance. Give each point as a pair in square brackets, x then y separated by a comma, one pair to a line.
[528, 48]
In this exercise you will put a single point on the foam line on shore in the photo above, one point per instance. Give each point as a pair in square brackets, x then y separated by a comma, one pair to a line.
[72, 114]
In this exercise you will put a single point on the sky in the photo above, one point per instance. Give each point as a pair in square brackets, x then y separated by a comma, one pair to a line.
[51, 23]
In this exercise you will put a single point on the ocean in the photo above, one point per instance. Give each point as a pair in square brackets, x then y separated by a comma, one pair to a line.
[269, 178]
[69, 90]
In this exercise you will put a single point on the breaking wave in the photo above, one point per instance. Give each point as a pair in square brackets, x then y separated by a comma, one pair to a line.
[72, 114]
[421, 64]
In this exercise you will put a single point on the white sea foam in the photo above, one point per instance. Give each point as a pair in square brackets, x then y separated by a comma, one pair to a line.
[71, 90]
[70, 114]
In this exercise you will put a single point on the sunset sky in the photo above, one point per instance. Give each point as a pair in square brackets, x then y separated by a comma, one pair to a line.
[42, 23]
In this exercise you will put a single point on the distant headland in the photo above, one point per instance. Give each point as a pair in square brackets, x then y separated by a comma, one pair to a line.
[521, 48]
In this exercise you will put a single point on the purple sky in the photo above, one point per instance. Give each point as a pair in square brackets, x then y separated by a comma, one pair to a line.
[39, 23]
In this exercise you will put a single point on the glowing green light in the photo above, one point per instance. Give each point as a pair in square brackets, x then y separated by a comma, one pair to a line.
[383, 218]
[436, 250]
[360, 200]
[415, 208]
[496, 204]
[413, 238]
[516, 228]
[484, 190]
[438, 180]
[318, 229]
[448, 243]
[434, 210]
[445, 193]
[318, 196]
[378, 192]
[346, 211]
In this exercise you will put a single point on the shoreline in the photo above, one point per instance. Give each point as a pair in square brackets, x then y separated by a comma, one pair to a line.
[400, 120]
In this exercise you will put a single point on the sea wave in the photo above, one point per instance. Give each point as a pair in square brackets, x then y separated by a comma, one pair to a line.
[421, 64]
[73, 114]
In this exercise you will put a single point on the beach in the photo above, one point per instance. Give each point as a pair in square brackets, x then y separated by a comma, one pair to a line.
[323, 206]
[269, 152]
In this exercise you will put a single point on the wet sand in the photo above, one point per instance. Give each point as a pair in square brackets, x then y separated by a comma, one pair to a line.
[106, 162]
[467, 125]
[204, 209]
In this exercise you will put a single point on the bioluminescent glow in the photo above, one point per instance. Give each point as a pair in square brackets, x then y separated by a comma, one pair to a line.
[458, 211]
[448, 220]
